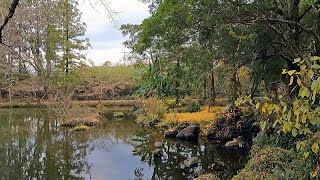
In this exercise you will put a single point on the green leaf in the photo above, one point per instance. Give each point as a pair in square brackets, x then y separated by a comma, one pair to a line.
[303, 67]
[291, 72]
[312, 120]
[314, 85]
[299, 81]
[298, 146]
[310, 73]
[284, 71]
[315, 58]
[291, 80]
[294, 132]
[315, 66]
[296, 60]
[315, 147]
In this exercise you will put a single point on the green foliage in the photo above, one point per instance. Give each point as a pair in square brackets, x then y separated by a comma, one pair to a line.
[275, 163]
[298, 118]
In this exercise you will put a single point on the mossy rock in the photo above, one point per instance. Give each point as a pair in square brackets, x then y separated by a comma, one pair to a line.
[118, 115]
[80, 128]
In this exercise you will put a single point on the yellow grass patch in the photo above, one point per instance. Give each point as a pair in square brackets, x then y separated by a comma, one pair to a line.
[204, 116]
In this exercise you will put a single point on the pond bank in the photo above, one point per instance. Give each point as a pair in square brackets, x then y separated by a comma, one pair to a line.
[90, 103]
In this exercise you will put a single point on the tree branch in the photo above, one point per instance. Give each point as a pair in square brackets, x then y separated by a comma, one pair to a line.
[12, 10]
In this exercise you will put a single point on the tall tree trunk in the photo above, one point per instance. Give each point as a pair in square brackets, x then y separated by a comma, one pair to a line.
[204, 87]
[212, 100]
[178, 75]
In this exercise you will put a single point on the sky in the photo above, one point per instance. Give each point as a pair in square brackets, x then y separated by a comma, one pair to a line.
[104, 35]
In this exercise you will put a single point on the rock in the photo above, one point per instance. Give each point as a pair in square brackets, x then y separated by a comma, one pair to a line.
[118, 115]
[170, 133]
[157, 153]
[232, 124]
[189, 133]
[236, 143]
[189, 163]
[207, 177]
[158, 144]
[182, 126]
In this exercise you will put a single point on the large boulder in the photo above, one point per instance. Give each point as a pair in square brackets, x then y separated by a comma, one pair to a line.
[232, 124]
[189, 133]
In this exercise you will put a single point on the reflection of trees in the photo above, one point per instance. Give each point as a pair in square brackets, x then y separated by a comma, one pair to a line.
[33, 147]
[168, 167]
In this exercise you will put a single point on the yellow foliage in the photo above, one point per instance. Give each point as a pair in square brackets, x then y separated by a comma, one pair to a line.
[204, 116]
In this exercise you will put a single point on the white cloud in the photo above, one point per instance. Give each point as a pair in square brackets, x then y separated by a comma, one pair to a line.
[104, 36]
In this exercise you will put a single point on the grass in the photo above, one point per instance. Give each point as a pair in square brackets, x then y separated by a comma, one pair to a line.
[203, 117]
[110, 74]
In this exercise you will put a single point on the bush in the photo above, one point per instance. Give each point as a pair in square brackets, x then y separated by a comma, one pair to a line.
[271, 159]
[192, 105]
[275, 163]
[152, 112]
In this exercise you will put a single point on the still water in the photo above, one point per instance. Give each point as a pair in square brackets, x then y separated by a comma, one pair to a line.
[33, 146]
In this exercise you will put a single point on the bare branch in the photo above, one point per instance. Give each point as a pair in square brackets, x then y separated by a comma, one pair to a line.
[12, 10]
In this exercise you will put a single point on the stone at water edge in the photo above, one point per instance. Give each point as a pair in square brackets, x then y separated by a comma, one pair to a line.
[190, 133]
[189, 163]
[170, 133]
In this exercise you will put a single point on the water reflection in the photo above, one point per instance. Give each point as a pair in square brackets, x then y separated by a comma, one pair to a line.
[213, 157]
[33, 146]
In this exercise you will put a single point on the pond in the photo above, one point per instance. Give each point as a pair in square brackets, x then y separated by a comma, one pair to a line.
[33, 146]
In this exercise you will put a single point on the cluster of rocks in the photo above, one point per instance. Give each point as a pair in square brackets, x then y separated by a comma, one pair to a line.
[185, 131]
[234, 126]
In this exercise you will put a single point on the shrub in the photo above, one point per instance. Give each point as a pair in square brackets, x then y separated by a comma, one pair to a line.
[275, 163]
[152, 112]
[192, 105]
[297, 118]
